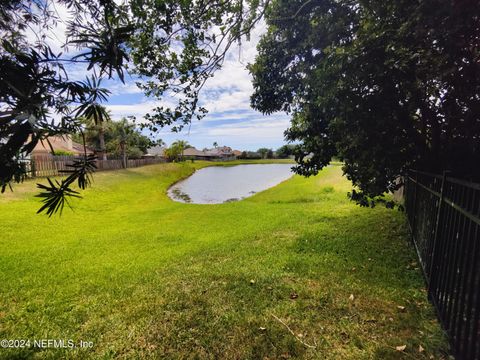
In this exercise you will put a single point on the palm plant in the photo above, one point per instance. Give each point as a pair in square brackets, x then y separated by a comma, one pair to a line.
[123, 133]
[181, 144]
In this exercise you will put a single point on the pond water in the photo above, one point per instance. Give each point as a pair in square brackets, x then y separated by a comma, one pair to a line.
[219, 184]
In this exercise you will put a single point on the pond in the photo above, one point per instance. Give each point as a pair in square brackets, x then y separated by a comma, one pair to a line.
[220, 184]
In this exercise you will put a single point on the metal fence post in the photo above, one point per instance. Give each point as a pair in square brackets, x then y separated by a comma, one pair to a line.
[437, 227]
[414, 220]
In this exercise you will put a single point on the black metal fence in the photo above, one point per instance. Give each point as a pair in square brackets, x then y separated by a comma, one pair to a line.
[444, 217]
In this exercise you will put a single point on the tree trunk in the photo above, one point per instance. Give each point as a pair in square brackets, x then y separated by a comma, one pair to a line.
[124, 155]
[101, 139]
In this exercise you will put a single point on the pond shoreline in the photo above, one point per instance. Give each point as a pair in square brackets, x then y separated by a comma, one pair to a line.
[225, 184]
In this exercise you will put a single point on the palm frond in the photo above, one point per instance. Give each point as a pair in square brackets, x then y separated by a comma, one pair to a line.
[55, 196]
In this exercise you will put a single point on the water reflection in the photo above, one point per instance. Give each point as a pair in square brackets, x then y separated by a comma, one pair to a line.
[219, 184]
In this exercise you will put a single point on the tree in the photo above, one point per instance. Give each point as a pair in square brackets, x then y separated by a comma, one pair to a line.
[136, 143]
[95, 133]
[285, 151]
[175, 51]
[173, 152]
[384, 85]
[263, 152]
[215, 144]
[124, 131]
[101, 139]
[182, 145]
[269, 154]
[125, 140]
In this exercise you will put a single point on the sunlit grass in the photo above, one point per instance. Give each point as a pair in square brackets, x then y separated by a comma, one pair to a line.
[142, 276]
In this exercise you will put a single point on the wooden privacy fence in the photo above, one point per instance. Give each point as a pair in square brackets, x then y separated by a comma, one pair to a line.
[51, 165]
[444, 217]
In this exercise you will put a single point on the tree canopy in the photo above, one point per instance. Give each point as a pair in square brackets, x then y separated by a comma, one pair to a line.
[264, 152]
[285, 151]
[383, 85]
[115, 133]
[175, 152]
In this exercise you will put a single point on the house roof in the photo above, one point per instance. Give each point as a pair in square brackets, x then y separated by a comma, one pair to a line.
[78, 148]
[156, 150]
[193, 152]
[220, 151]
[60, 143]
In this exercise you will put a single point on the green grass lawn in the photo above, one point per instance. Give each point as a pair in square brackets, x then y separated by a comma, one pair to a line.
[268, 277]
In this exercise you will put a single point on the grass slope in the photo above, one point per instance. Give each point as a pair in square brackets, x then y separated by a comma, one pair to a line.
[145, 277]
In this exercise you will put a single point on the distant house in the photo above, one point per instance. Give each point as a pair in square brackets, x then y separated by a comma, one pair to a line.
[156, 151]
[219, 153]
[237, 153]
[194, 153]
[62, 144]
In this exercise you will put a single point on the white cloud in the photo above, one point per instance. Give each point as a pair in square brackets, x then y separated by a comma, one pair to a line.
[138, 109]
[267, 127]
[117, 88]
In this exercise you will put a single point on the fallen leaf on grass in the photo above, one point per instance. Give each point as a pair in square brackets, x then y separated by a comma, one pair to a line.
[401, 308]
[420, 348]
[261, 328]
[351, 297]
[401, 347]
[252, 282]
[293, 295]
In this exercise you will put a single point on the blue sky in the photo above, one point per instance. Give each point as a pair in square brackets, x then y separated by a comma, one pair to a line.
[226, 96]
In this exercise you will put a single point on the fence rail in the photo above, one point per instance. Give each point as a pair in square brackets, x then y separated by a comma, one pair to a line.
[444, 217]
[52, 165]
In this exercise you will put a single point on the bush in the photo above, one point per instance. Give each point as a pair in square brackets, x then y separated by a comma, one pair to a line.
[63, 153]
[251, 155]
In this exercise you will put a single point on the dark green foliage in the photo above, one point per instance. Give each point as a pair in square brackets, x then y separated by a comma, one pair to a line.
[124, 135]
[55, 196]
[285, 151]
[31, 85]
[252, 155]
[15, 170]
[383, 85]
[265, 153]
[176, 150]
[81, 170]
